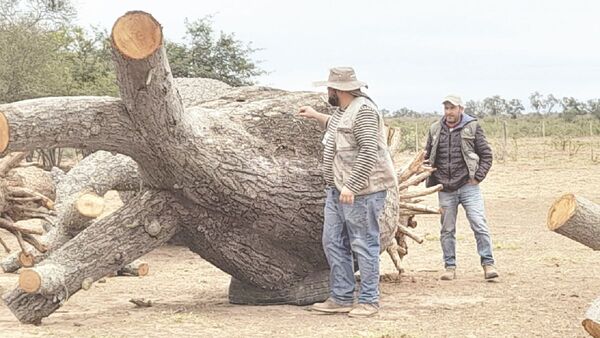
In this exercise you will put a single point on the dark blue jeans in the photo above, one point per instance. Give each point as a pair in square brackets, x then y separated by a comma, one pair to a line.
[353, 228]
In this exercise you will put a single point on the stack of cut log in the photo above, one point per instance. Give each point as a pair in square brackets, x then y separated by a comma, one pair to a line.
[579, 219]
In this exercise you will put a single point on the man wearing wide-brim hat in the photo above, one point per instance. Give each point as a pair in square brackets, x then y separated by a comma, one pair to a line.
[358, 171]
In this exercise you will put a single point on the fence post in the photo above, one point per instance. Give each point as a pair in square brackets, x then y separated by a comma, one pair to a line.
[544, 139]
[416, 137]
[591, 140]
[504, 136]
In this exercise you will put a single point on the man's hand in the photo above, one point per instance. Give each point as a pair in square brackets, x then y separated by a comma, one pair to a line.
[310, 113]
[346, 196]
[307, 112]
[473, 181]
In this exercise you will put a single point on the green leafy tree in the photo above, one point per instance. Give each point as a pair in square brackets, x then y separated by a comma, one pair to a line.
[592, 107]
[571, 108]
[515, 108]
[217, 56]
[536, 100]
[495, 105]
[474, 108]
[87, 57]
[31, 39]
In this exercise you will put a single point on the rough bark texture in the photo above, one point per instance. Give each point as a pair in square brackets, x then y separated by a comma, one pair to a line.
[33, 178]
[97, 173]
[10, 161]
[576, 218]
[76, 122]
[244, 170]
[135, 268]
[102, 248]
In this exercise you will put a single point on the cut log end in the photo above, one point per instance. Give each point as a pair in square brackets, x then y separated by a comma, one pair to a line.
[26, 260]
[90, 205]
[592, 327]
[4, 132]
[143, 269]
[137, 35]
[561, 211]
[135, 268]
[30, 281]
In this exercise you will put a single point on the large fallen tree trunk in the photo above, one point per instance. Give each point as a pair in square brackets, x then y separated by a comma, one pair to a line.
[242, 170]
[577, 218]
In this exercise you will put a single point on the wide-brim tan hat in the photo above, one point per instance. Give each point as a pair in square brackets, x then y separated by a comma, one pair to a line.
[341, 78]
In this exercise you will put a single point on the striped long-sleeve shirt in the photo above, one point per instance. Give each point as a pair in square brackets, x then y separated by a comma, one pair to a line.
[365, 131]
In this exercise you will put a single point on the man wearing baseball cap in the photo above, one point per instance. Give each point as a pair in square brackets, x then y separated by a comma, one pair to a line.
[457, 148]
[358, 170]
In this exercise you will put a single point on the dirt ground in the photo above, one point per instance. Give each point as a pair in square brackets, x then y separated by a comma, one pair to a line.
[547, 281]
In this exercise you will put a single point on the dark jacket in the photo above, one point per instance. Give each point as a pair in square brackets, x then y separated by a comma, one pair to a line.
[452, 171]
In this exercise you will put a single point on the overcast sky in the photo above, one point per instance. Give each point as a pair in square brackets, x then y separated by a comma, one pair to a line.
[411, 53]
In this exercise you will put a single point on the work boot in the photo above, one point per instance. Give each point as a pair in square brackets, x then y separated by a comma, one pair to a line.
[330, 306]
[363, 310]
[490, 272]
[450, 274]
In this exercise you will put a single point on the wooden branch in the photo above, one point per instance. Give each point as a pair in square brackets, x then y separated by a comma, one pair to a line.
[412, 167]
[78, 122]
[35, 243]
[415, 180]
[26, 259]
[98, 173]
[10, 161]
[418, 193]
[394, 140]
[144, 77]
[408, 232]
[109, 243]
[135, 268]
[4, 132]
[17, 193]
[10, 226]
[6, 248]
[89, 204]
[576, 218]
[414, 212]
[419, 208]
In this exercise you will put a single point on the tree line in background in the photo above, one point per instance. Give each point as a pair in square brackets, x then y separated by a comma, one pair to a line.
[44, 53]
[568, 108]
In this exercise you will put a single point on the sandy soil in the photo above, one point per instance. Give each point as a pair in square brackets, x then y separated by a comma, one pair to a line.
[547, 281]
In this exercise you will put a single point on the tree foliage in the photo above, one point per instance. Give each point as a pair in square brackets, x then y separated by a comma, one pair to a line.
[217, 56]
[42, 53]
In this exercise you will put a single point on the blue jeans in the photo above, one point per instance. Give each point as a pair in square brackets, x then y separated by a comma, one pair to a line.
[469, 195]
[353, 229]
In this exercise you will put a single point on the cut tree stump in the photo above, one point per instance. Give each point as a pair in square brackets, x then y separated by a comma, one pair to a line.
[591, 323]
[576, 218]
[135, 268]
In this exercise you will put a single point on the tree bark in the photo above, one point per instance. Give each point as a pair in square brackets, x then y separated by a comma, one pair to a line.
[591, 323]
[76, 122]
[135, 268]
[576, 218]
[244, 171]
[97, 173]
[107, 246]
